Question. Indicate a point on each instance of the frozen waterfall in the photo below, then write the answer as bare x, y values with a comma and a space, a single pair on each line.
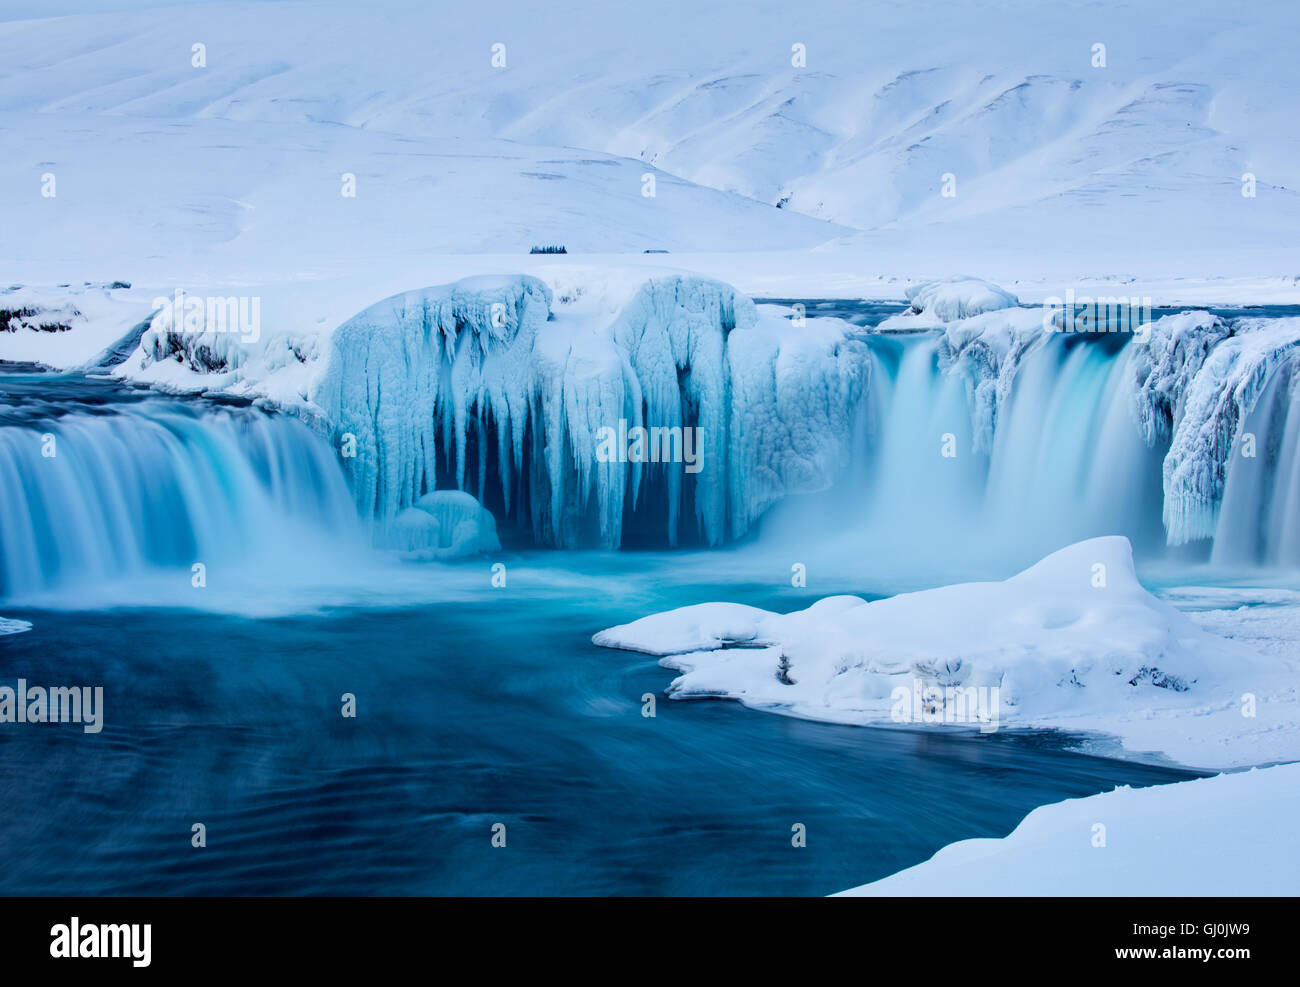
483, 386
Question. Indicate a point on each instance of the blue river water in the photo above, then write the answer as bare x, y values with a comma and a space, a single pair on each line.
468, 715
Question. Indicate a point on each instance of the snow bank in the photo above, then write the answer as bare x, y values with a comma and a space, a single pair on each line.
66, 326
1073, 642
276, 367
482, 384
958, 297
1229, 835
444, 525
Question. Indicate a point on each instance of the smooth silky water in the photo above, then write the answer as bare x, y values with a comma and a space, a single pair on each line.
475, 705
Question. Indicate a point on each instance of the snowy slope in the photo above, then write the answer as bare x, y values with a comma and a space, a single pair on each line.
193, 201
1049, 153
1229, 835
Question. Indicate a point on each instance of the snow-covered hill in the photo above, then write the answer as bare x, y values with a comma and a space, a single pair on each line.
1059, 165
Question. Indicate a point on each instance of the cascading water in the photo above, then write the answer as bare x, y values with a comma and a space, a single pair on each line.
1259, 518
960, 461
90, 494
1063, 462
948, 476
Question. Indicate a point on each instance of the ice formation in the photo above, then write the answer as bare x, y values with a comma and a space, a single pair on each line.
1222, 394
986, 351
958, 297
479, 386
1212, 396
443, 525
492, 386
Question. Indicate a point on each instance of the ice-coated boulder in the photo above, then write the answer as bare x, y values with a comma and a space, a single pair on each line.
958, 297
444, 525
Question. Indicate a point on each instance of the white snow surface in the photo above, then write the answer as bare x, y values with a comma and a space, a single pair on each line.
1052, 153
1062, 652
1229, 835
66, 326
958, 297
228, 178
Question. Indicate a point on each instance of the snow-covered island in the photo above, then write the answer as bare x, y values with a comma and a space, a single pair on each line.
1074, 643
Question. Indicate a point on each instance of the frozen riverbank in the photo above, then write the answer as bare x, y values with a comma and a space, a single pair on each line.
1230, 835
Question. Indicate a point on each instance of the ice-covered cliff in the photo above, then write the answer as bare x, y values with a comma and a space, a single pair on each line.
1223, 395
679, 409
1214, 398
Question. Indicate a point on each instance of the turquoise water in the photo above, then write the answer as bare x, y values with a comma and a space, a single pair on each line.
468, 715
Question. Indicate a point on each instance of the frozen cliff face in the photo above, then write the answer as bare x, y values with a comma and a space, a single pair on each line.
958, 298
1167, 356
1220, 393
987, 351
796, 393
678, 407
411, 378
1217, 398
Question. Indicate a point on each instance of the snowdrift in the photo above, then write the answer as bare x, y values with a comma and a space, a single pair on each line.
1074, 640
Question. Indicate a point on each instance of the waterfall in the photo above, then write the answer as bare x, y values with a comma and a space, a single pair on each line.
957, 459
945, 473
90, 495
1259, 518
